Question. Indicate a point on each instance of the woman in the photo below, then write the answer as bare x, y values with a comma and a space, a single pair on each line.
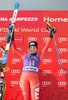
29, 81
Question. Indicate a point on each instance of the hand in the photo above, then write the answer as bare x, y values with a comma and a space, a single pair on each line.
52, 32
10, 27
9, 37
11, 30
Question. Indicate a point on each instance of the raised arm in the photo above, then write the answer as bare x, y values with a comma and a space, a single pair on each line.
44, 50
52, 33
13, 45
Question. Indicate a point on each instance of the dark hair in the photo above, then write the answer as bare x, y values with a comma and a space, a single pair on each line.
33, 43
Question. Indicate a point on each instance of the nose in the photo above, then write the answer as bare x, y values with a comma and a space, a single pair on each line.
32, 47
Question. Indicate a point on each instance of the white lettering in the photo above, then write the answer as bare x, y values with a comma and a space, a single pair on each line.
3, 19
3, 29
29, 30
29, 19
36, 93
49, 19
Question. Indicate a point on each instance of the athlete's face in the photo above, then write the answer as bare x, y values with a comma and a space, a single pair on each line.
32, 49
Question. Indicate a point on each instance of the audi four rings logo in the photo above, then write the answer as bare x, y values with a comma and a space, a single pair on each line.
61, 50
13, 83
15, 71
32, 39
45, 61
62, 72
2, 39
64, 60
15, 60
62, 83
46, 83
45, 39
44, 72
62, 39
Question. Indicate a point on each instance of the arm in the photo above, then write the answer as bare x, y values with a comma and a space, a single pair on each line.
19, 53
44, 50
13, 46
52, 33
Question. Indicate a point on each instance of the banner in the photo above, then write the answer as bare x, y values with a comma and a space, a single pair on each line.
31, 26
